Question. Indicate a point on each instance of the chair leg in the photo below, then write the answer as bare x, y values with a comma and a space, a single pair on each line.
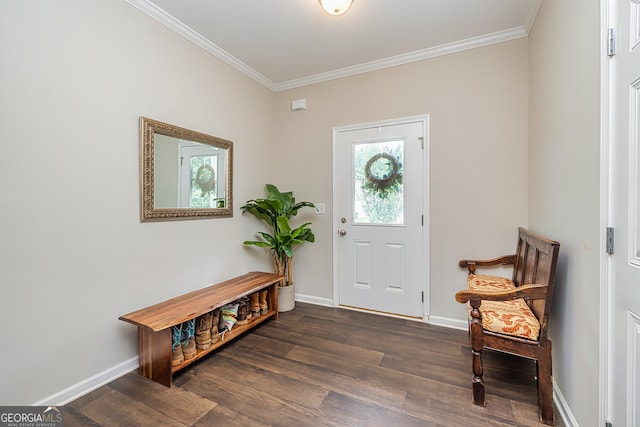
476, 350
545, 385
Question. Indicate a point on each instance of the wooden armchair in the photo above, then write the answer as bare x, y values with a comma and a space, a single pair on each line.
511, 315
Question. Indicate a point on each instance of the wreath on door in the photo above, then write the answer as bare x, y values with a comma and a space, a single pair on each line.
383, 175
205, 178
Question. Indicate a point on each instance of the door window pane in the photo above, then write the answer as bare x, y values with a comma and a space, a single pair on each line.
378, 188
203, 181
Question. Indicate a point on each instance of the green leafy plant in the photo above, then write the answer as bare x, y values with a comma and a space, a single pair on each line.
276, 210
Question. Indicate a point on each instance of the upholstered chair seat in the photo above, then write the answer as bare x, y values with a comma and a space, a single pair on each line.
513, 317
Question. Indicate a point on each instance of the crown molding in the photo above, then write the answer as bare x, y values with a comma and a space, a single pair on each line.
533, 14
169, 21
419, 55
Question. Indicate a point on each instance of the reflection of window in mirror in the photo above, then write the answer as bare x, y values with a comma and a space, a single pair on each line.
188, 174
201, 178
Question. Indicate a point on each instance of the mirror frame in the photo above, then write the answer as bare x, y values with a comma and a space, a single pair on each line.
148, 212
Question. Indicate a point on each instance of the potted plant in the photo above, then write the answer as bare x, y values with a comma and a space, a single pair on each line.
276, 210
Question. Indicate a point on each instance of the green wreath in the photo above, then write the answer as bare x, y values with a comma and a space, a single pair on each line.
205, 178
383, 174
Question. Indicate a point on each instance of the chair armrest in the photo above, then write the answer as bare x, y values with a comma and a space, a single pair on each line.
472, 264
535, 291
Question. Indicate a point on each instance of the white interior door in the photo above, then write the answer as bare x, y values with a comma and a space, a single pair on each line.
624, 309
379, 217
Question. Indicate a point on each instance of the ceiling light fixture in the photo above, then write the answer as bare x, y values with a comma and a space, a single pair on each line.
335, 7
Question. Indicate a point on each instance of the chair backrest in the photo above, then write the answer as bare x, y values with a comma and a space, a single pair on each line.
536, 261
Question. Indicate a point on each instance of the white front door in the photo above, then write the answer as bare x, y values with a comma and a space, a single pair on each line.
379, 216
624, 307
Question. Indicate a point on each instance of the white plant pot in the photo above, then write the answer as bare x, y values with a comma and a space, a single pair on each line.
286, 298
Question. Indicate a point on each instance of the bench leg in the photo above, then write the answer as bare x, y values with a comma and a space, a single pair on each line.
476, 350
545, 385
154, 354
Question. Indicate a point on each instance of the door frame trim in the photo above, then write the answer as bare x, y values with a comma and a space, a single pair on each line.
423, 119
606, 214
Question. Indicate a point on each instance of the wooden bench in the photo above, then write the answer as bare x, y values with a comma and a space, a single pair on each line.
154, 322
511, 315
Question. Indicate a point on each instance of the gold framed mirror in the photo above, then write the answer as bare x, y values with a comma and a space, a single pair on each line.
184, 174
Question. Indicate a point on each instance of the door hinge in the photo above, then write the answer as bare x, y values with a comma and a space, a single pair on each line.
611, 42
422, 296
422, 220
610, 241
421, 138
608, 424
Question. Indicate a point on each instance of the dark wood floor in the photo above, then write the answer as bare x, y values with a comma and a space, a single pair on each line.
320, 366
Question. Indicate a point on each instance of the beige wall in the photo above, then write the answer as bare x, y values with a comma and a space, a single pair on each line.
564, 197
477, 104
76, 76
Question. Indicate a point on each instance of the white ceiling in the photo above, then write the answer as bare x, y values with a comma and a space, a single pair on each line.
290, 43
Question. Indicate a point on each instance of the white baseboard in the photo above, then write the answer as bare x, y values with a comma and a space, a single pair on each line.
563, 408
83, 387
327, 302
447, 322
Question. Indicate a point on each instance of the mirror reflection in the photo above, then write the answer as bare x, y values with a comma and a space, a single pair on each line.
185, 174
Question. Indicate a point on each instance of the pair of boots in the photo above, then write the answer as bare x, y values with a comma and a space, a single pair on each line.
244, 309
183, 345
263, 306
254, 304
207, 327
258, 303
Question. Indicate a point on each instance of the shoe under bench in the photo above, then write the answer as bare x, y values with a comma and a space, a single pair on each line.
154, 322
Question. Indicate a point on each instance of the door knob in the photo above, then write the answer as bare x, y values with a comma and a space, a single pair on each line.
342, 232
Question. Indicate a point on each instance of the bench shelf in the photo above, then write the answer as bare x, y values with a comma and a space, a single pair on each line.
154, 322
